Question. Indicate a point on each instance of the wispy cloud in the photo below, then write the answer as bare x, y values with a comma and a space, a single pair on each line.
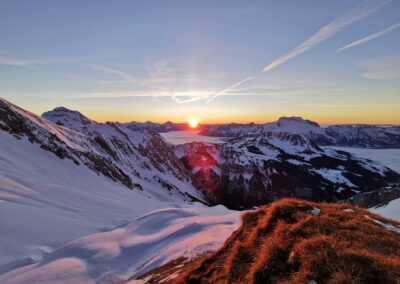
159, 72
355, 14
15, 62
180, 96
12, 61
123, 75
180, 101
382, 68
370, 37
155, 74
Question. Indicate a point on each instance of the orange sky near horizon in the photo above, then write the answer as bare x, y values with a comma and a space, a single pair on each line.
376, 117
377, 113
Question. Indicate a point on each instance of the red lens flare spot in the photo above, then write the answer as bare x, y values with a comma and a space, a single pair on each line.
203, 160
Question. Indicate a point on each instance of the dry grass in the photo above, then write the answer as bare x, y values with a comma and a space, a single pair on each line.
285, 243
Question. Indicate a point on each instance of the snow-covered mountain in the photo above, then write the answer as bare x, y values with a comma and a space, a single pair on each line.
359, 135
254, 169
74, 119
139, 160
281, 160
284, 124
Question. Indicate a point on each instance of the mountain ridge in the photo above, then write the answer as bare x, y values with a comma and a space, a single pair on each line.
282, 162
137, 159
351, 135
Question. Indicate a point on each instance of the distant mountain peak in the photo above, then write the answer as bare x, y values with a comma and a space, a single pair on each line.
285, 119
65, 117
64, 109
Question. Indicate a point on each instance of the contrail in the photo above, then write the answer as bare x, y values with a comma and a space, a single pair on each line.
370, 37
176, 98
355, 14
230, 88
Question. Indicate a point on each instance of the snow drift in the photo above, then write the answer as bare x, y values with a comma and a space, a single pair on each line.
133, 249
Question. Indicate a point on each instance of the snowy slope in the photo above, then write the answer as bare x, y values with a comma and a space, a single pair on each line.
390, 210
140, 160
389, 158
133, 249
46, 202
50, 195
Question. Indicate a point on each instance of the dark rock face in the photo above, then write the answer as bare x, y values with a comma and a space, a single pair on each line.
376, 198
364, 136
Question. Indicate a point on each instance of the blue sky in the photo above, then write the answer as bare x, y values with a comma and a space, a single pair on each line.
219, 61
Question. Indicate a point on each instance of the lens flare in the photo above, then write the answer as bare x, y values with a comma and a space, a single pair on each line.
203, 158
193, 122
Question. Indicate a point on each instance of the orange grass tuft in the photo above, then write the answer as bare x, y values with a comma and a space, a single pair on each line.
285, 243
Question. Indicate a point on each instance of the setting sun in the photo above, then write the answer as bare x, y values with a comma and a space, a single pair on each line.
193, 122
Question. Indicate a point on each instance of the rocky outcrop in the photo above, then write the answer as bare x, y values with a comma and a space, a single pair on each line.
376, 198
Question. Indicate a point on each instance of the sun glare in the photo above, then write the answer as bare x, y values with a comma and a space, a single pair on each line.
193, 122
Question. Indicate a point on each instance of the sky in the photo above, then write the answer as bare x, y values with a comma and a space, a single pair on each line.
333, 61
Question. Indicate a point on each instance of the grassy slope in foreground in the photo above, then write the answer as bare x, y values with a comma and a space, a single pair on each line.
292, 241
